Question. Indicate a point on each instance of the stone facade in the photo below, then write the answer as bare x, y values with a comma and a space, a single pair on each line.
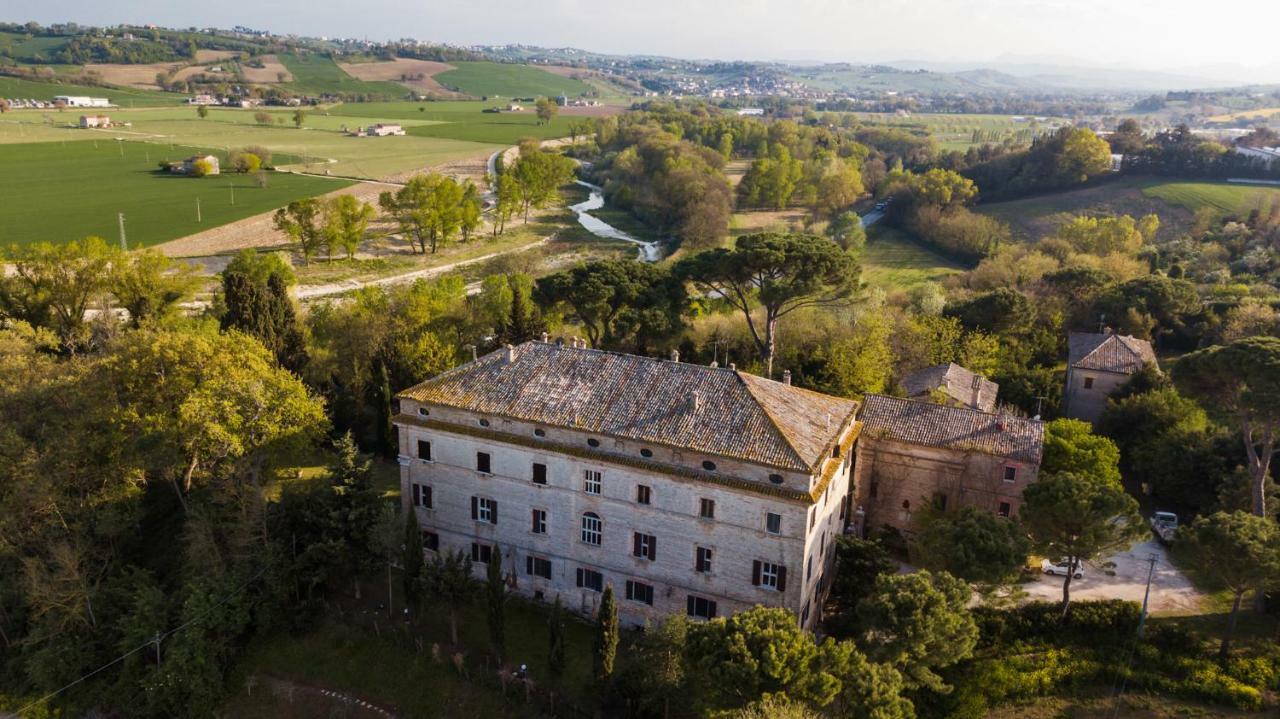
1097, 365
1087, 391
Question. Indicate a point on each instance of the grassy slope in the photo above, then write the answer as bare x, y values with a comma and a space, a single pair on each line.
892, 260
37, 49
508, 80
1174, 201
60, 192
459, 120
318, 75
124, 97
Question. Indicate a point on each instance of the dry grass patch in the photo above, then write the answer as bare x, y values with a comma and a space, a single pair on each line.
270, 72
214, 55
142, 77
404, 71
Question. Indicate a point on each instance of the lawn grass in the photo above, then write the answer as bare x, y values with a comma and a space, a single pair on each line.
893, 260
508, 80
36, 49
459, 120
1222, 197
13, 87
60, 192
320, 75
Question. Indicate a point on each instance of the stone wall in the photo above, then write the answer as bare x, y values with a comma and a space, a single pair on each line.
1088, 404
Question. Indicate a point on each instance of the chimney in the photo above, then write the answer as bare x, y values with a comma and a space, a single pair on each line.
786, 377
545, 336
733, 367
511, 354
675, 355
474, 355
977, 391
714, 364
695, 402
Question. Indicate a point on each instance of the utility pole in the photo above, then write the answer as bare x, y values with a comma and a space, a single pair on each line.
123, 244
1151, 568
233, 192
1039, 401
198, 210
157, 641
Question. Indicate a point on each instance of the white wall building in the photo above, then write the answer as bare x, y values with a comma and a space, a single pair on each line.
81, 101
689, 489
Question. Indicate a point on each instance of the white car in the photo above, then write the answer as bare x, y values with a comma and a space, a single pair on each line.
1061, 568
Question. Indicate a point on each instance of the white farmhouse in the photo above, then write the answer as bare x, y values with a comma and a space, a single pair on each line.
689, 489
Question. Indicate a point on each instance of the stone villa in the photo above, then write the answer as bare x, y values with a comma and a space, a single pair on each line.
689, 489
1097, 365
692, 489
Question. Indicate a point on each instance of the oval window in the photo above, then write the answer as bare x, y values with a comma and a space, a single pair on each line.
709, 465
593, 442
539, 433
424, 411
646, 452
775, 478
484, 423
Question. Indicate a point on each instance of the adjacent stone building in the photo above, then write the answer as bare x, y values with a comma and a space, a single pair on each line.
912, 454
954, 384
691, 489
1097, 365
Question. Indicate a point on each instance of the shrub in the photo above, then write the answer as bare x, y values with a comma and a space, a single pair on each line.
1088, 623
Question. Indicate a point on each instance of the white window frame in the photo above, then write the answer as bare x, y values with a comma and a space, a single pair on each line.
541, 527
767, 517
591, 481
592, 528
484, 509
769, 573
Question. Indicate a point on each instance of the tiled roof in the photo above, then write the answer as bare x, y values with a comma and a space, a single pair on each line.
956, 382
959, 428
1108, 352
705, 409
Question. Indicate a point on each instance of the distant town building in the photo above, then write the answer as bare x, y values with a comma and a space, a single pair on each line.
751, 112
690, 489
94, 121
202, 100
953, 383
1267, 156
913, 455
81, 101
1097, 365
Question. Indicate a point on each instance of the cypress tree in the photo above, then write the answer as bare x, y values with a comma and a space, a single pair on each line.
605, 646
496, 589
555, 639
414, 561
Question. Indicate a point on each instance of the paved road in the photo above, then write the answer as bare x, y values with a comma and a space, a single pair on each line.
1171, 591
872, 217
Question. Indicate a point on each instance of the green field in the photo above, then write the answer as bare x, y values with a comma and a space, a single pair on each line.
1223, 198
63, 191
322, 144
508, 80
320, 75
892, 260
13, 87
459, 120
36, 49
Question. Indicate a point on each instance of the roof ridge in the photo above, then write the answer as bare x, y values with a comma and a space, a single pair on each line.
773, 421
956, 408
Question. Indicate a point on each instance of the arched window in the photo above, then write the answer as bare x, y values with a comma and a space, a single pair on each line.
591, 528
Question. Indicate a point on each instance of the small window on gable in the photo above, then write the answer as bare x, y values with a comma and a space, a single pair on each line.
775, 478
424, 411
709, 465
646, 452
539, 433
593, 442
484, 423
1088, 383
1010, 474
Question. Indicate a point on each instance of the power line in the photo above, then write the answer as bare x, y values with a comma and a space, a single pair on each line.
155, 640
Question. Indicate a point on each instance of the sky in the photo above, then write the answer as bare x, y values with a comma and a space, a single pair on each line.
1169, 35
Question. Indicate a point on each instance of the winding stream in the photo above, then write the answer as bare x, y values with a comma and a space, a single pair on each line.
649, 251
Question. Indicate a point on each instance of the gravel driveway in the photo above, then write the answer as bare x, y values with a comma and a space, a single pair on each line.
1171, 591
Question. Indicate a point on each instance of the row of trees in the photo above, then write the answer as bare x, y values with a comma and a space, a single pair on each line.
315, 224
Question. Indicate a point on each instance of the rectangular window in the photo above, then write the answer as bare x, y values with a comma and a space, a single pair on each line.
1004, 509
1010, 474
539, 525
590, 579
940, 501
482, 462
773, 523
644, 495
537, 567
707, 508
808, 570
640, 592
539, 473
591, 528
813, 516
1088, 383
701, 607
424, 450
768, 574
430, 540
644, 546
481, 553
703, 561
872, 489
484, 509
422, 496
591, 481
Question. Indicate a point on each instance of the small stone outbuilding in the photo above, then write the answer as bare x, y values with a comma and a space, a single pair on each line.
1097, 365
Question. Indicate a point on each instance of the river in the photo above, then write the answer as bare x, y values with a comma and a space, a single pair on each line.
649, 251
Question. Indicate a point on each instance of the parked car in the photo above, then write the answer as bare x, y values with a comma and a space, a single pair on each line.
1060, 568
1165, 525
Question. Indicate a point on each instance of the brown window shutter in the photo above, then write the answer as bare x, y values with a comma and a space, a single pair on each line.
690, 605
417, 496
528, 564
475, 508
653, 548
711, 609
635, 544
782, 579
755, 573
579, 576
493, 512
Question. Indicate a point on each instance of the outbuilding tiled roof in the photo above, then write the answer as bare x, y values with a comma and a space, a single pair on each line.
957, 382
712, 410
1108, 352
959, 428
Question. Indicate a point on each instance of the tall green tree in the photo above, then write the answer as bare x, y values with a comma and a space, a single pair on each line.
496, 594
1241, 383
356, 509
974, 545
546, 110
918, 623
778, 273
150, 286
449, 582
265, 311
555, 640
1078, 518
604, 647
1071, 446
301, 221
51, 286
346, 220
1236, 551
622, 304
413, 559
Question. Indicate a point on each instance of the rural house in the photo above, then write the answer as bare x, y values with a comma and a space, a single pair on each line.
952, 384
94, 121
1097, 364
185, 167
689, 489
914, 454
